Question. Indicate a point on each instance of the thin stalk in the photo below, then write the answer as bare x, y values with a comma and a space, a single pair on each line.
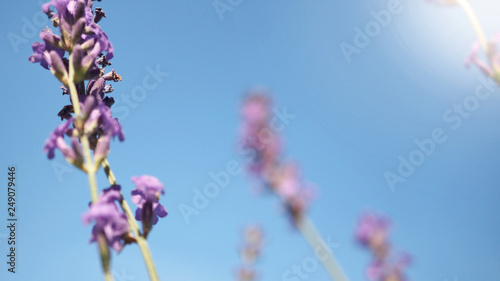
314, 239
141, 241
475, 24
88, 162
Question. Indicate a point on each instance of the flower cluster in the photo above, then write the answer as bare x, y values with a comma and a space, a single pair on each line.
281, 177
372, 233
77, 56
250, 252
109, 221
84, 41
146, 196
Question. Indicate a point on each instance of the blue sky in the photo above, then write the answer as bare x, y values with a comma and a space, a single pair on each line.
352, 122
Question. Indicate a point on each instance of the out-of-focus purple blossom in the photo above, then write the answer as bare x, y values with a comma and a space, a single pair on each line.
266, 164
372, 227
257, 135
108, 218
372, 233
492, 66
146, 196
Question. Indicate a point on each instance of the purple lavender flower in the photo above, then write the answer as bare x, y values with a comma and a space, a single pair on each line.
72, 154
108, 218
146, 196
42, 52
79, 33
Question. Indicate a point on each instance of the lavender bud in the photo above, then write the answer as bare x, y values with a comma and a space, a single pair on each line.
99, 14
88, 44
57, 67
51, 38
96, 88
108, 101
65, 33
80, 10
77, 57
77, 31
65, 112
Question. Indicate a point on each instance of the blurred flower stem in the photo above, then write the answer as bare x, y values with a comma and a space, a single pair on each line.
475, 24
315, 240
141, 241
89, 165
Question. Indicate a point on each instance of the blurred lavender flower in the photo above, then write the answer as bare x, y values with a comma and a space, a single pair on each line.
492, 65
108, 218
146, 196
372, 233
250, 252
266, 165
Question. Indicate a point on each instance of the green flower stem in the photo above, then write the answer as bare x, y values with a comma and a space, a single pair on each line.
314, 239
89, 165
141, 241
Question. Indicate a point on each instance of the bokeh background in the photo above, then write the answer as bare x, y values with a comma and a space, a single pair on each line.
352, 121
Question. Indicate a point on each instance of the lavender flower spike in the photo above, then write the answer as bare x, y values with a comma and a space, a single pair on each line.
146, 197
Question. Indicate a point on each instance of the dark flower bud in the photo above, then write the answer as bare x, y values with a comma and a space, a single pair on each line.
99, 14
108, 101
102, 61
65, 112
55, 22
93, 72
65, 90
